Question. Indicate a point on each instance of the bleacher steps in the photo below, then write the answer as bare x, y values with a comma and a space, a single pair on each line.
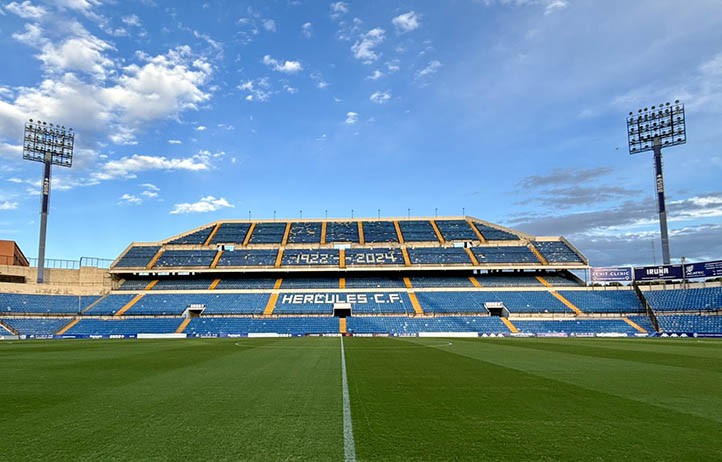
286, 233
398, 233
323, 233
214, 284
544, 282
129, 305
566, 302
278, 283
87, 308
510, 325
342, 258
538, 254
155, 258
68, 326
439, 236
212, 235
405, 253
341, 325
248, 236
271, 304
477, 232
361, 238
341, 283
216, 259
8, 328
475, 282
407, 283
183, 326
151, 284
279, 258
415, 303
634, 324
472, 257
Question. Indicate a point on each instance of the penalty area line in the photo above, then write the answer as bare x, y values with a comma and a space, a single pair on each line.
349, 446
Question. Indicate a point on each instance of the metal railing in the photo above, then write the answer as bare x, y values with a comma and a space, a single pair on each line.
92, 262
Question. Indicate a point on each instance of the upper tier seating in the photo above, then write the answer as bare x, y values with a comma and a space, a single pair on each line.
246, 283
44, 304
134, 284
342, 231
456, 230
268, 233
505, 254
418, 231
690, 323
288, 325
439, 256
401, 325
319, 282
372, 282
494, 234
575, 326
440, 281
322, 303
37, 326
605, 301
310, 257
557, 252
508, 280
374, 257
181, 258
128, 326
252, 257
305, 233
110, 304
704, 299
199, 283
138, 257
379, 231
231, 233
197, 237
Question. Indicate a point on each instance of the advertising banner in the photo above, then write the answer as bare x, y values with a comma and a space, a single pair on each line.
707, 269
612, 274
655, 273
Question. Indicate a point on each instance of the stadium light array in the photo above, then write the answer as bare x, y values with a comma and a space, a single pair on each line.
51, 145
651, 129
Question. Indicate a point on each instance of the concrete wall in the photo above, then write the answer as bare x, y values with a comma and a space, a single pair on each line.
85, 281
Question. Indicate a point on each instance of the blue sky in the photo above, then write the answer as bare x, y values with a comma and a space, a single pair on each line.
511, 110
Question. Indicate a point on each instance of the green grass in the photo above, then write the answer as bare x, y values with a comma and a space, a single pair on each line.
411, 399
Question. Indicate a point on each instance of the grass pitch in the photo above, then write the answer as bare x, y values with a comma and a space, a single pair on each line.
411, 399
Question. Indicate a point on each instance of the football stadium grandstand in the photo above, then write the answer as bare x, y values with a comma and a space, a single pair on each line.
455, 276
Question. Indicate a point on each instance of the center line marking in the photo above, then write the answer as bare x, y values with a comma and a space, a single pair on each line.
349, 446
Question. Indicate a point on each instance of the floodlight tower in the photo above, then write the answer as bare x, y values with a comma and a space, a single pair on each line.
650, 129
51, 145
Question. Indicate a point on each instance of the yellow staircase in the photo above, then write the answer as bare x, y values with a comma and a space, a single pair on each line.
183, 326
341, 325
512, 328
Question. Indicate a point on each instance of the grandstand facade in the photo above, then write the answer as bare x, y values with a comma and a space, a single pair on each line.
452, 276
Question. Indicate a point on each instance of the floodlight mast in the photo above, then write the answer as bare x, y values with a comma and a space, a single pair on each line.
649, 130
49, 144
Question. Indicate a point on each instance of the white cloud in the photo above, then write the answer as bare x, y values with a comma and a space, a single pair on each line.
375, 75
287, 67
129, 167
430, 69
307, 30
269, 25
257, 90
131, 20
175, 142
130, 199
201, 128
338, 9
26, 10
150, 187
380, 97
555, 5
406, 22
7, 205
364, 49
351, 118
149, 194
205, 204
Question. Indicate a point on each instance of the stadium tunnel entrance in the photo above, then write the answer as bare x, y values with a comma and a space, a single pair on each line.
342, 310
497, 309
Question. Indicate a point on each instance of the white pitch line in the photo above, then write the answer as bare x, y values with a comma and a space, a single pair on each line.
349, 446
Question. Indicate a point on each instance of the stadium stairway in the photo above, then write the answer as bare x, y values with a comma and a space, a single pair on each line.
510, 325
130, 304
635, 325
183, 326
560, 297
342, 325
68, 326
268, 311
8, 328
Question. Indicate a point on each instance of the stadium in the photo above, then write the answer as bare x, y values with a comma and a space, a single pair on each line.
188, 308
